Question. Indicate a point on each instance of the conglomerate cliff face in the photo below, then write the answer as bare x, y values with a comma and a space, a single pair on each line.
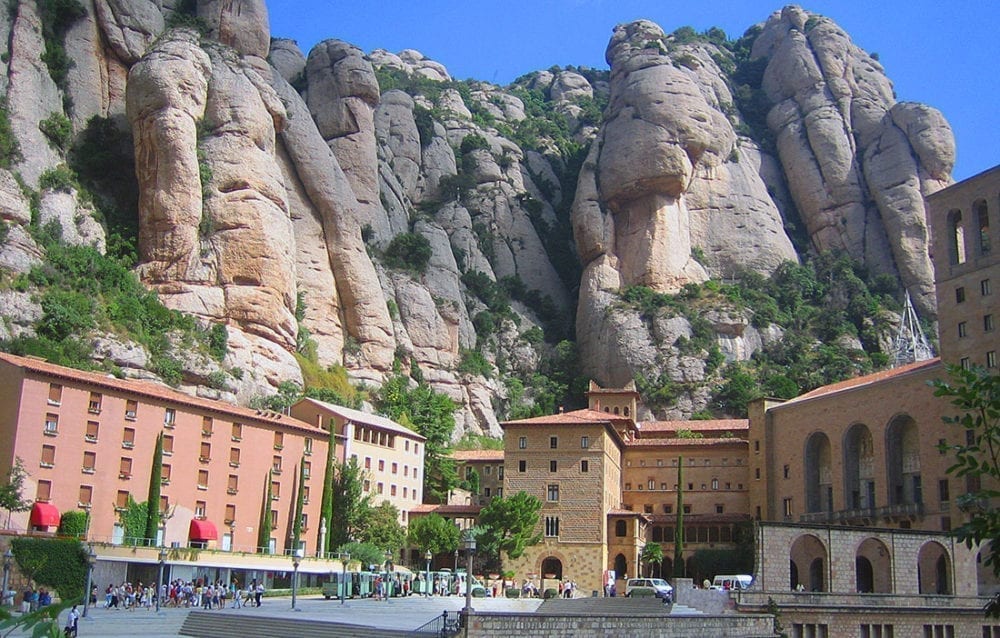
368, 211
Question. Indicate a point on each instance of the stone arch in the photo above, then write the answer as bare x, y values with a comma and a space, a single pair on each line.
934, 569
552, 565
873, 567
621, 566
667, 567
902, 451
859, 467
818, 473
809, 555
956, 237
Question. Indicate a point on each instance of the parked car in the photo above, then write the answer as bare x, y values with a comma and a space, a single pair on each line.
731, 582
649, 587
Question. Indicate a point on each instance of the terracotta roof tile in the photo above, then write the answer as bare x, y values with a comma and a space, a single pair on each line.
364, 418
676, 442
733, 425
576, 417
868, 379
477, 455
153, 390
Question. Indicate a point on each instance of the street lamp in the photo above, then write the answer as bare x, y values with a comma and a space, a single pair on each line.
296, 559
8, 560
159, 583
345, 557
91, 559
427, 585
470, 549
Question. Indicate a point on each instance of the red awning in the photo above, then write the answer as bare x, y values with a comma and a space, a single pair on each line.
202, 530
44, 515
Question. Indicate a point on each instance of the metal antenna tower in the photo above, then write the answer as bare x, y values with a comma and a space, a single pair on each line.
910, 344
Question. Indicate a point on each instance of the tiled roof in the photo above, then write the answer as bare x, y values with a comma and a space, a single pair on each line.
867, 380
477, 455
731, 425
576, 417
685, 442
364, 418
628, 513
152, 390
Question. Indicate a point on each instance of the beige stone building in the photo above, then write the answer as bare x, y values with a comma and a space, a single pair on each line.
488, 467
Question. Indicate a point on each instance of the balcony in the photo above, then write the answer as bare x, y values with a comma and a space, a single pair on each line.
867, 515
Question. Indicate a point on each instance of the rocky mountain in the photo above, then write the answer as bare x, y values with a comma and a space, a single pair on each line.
368, 215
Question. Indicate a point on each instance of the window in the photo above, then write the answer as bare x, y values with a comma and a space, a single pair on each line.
719, 507
987, 323
406, 445
165, 474
786, 505
552, 526
621, 528
584, 466
202, 479
128, 438
131, 409
965, 363
279, 440
500, 472
230, 517
416, 448
237, 432
307, 446
380, 487
205, 452
584, 442
121, 499
984, 287
367, 486
487, 469
785, 471
276, 464
381, 465
168, 444
48, 456
553, 442
169, 417
199, 509
55, 394
304, 523
94, 405
307, 469
715, 484
234, 484
943, 492
553, 466
756, 446
392, 490
305, 494
756, 473
125, 468
628, 487
963, 329
687, 509
207, 425
991, 359
275, 490
52, 423
86, 495
522, 466
234, 457
93, 427
652, 484
274, 519
89, 462
552, 494
960, 294
668, 509
522, 442
956, 237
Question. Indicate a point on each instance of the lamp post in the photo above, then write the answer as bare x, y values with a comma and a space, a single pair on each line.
91, 559
345, 557
296, 559
8, 560
456, 561
427, 585
470, 549
159, 583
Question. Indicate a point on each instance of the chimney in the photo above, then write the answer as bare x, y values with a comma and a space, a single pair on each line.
560, 409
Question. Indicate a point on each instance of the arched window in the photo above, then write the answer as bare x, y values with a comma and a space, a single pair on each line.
621, 566
625, 411
616, 409
808, 556
873, 567
819, 477
934, 569
982, 213
621, 528
902, 444
553, 566
956, 237
859, 468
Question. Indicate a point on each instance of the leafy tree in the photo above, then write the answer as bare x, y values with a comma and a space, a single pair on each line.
349, 503
651, 553
508, 525
60, 563
153, 500
433, 532
365, 553
10, 491
432, 414
381, 527
264, 526
976, 394
408, 251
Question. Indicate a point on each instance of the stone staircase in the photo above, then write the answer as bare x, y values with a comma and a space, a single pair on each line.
212, 624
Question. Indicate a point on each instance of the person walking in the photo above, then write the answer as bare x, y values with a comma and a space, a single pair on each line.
72, 623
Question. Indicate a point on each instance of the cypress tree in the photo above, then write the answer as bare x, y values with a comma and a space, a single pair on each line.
326, 505
679, 533
153, 496
264, 528
300, 497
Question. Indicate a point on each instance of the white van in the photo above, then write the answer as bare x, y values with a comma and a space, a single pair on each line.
730, 582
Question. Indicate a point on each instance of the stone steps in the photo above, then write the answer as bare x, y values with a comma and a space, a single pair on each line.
646, 606
207, 624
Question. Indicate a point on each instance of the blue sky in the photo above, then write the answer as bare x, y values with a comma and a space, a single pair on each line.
943, 54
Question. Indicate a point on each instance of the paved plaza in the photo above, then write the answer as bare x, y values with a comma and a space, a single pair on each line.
398, 613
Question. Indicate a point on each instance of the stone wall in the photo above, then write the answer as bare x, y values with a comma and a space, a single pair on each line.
584, 626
